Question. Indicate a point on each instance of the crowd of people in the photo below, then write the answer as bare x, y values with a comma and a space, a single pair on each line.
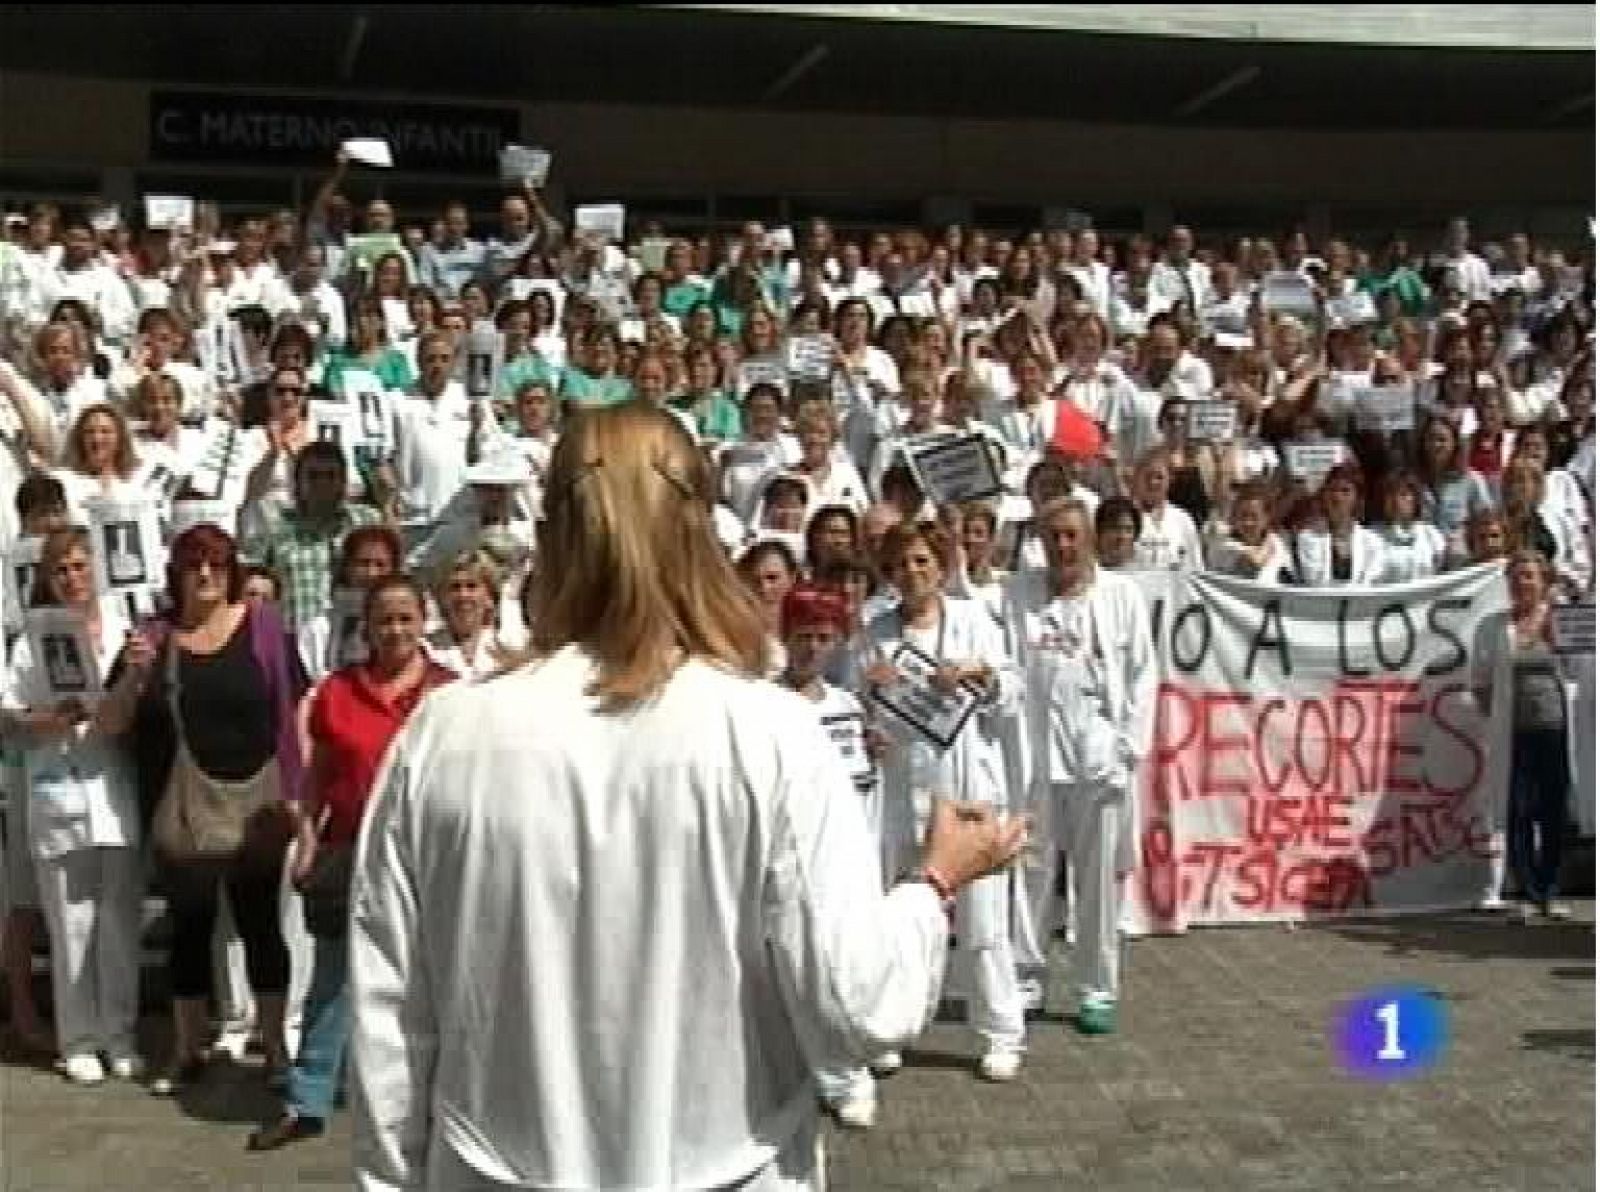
276, 481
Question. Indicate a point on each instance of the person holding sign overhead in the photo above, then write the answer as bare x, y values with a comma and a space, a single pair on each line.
938, 677
1081, 637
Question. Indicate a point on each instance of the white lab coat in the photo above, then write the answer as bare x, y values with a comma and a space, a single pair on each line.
1092, 815
1313, 559
620, 976
1414, 552
1168, 540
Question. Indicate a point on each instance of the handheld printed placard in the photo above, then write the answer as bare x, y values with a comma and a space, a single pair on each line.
369, 151
762, 370
519, 163
220, 474
163, 484
188, 514
953, 469
848, 732
1352, 310
22, 574
781, 239
1288, 292
483, 351
1310, 462
1572, 629
362, 252
59, 640
168, 213
914, 699
1385, 409
522, 288
606, 220
918, 306
106, 219
811, 357
397, 319
1212, 421
653, 253
346, 643
125, 540
337, 422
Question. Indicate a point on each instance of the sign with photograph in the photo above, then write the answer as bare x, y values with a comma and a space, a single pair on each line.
1572, 629
954, 468
59, 640
912, 697
125, 540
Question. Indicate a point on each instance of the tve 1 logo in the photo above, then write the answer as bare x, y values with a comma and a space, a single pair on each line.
1388, 1034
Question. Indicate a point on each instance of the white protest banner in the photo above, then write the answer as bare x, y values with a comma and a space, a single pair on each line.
125, 541
520, 164
369, 151
811, 357
606, 220
168, 213
1212, 421
953, 469
1310, 462
1315, 754
1572, 628
59, 641
1288, 292
1385, 409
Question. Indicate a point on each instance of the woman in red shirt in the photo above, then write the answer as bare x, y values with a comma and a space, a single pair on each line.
355, 713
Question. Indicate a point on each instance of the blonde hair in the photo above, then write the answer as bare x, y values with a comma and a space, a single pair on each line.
127, 459
643, 578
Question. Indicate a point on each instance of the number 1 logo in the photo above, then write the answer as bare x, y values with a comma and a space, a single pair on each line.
1390, 1034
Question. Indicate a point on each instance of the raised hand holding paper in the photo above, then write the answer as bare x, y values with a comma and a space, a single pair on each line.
166, 213
518, 163
369, 151
603, 219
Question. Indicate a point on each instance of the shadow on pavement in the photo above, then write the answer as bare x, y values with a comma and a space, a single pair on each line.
1471, 936
1578, 1045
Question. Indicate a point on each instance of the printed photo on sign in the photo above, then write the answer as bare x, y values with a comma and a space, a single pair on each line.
914, 699
347, 645
1572, 628
59, 639
22, 573
954, 469
125, 537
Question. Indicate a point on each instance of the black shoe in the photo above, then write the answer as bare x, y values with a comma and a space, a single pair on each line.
282, 1132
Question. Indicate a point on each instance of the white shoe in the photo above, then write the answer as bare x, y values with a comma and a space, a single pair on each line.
857, 1112
1000, 1067
84, 1069
127, 1067
233, 1040
886, 1064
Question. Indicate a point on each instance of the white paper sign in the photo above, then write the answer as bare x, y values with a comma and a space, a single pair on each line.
369, 151
1212, 421
337, 422
760, 370
1572, 628
914, 699
603, 219
125, 540
953, 469
22, 573
106, 219
1312, 461
220, 474
653, 253
848, 732
59, 640
918, 306
1288, 292
519, 163
1385, 409
1352, 310
811, 357
781, 239
188, 514
165, 213
347, 645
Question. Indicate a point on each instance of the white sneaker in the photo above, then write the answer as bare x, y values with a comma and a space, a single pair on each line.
233, 1040
84, 1069
1000, 1067
857, 1112
127, 1067
886, 1064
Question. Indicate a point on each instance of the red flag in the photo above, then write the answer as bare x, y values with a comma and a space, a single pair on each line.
1075, 435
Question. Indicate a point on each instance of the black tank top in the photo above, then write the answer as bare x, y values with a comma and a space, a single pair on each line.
228, 715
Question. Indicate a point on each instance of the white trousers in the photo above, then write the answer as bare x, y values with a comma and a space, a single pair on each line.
91, 898
1088, 820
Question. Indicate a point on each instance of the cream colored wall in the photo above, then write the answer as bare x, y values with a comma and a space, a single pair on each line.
74, 121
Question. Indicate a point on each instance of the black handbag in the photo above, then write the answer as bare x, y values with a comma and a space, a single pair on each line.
325, 891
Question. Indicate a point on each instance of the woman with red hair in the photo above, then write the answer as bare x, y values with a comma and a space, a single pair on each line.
218, 726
